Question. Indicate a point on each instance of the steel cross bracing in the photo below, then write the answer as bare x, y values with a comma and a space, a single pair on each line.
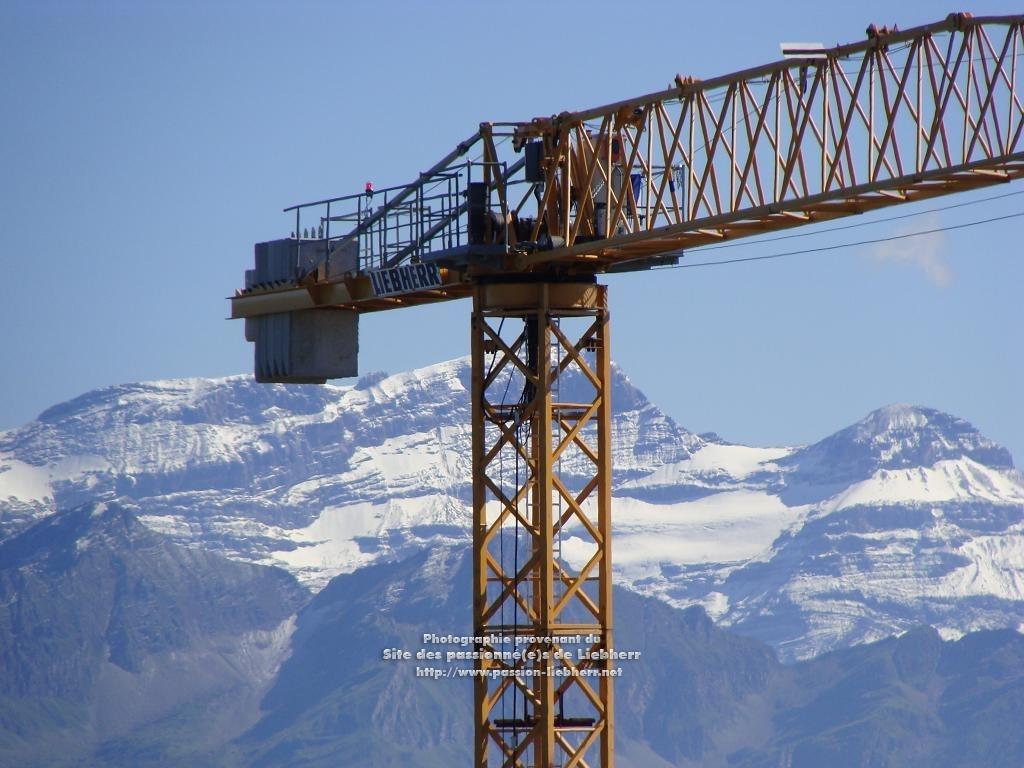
553, 705
898, 117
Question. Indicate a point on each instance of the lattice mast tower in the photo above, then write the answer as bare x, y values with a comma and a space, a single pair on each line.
523, 217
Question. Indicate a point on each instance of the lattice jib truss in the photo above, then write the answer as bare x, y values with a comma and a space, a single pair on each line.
518, 211
900, 116
541, 525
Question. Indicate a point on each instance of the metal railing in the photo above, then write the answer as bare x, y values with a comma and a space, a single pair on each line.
389, 231
383, 229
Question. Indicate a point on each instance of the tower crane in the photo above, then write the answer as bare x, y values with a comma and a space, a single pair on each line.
522, 218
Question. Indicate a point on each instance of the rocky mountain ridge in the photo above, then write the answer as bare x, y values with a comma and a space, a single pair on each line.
908, 517
108, 629
123, 648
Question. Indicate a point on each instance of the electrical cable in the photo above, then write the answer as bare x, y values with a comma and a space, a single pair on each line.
515, 576
501, 485
872, 222
501, 536
840, 246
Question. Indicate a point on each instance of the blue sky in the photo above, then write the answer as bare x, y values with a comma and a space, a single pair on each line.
146, 146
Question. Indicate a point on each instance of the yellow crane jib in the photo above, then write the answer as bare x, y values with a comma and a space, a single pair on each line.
522, 216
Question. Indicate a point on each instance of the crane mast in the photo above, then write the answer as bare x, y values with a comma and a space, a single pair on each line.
521, 217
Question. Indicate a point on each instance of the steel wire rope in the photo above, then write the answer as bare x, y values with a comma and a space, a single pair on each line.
840, 246
858, 224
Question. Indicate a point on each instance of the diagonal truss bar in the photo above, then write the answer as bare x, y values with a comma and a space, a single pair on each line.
900, 107
901, 116
541, 471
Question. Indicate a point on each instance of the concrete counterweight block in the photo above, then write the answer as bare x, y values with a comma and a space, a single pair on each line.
307, 346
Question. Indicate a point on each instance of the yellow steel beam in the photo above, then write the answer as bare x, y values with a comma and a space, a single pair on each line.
540, 594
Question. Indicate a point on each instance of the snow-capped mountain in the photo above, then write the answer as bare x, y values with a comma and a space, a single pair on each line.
908, 516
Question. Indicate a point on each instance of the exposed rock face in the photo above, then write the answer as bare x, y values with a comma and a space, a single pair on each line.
121, 648
107, 627
698, 695
909, 516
